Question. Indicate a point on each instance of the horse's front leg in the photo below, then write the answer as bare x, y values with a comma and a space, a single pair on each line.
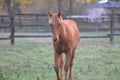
61, 67
57, 57
71, 64
67, 64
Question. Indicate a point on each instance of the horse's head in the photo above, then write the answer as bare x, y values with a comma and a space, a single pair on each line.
55, 23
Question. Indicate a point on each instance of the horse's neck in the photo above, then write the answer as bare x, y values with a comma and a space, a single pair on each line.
63, 30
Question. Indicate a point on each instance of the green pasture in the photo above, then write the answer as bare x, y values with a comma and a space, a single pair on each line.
33, 59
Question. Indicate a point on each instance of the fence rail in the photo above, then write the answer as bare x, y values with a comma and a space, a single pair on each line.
26, 20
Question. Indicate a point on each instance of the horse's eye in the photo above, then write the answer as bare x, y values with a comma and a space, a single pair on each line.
51, 24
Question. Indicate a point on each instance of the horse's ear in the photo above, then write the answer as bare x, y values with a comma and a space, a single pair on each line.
59, 14
49, 14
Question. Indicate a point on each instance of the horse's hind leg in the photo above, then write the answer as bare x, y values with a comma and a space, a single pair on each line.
57, 64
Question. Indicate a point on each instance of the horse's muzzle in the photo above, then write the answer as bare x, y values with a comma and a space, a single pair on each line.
55, 39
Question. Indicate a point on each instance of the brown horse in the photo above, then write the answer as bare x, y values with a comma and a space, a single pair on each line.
66, 37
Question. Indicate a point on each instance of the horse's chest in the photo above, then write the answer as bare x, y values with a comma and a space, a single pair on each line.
61, 47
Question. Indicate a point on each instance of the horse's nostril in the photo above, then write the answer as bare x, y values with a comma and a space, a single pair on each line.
55, 39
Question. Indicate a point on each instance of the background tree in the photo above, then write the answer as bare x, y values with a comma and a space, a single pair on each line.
15, 5
91, 1
115, 0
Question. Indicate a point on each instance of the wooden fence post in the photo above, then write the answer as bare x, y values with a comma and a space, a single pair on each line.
20, 20
37, 19
112, 26
59, 5
12, 37
70, 7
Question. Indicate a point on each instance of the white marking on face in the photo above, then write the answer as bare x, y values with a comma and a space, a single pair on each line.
50, 20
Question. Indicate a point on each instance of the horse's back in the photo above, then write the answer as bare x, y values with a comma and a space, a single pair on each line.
72, 30
72, 25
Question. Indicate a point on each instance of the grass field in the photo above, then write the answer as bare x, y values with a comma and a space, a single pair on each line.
32, 59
